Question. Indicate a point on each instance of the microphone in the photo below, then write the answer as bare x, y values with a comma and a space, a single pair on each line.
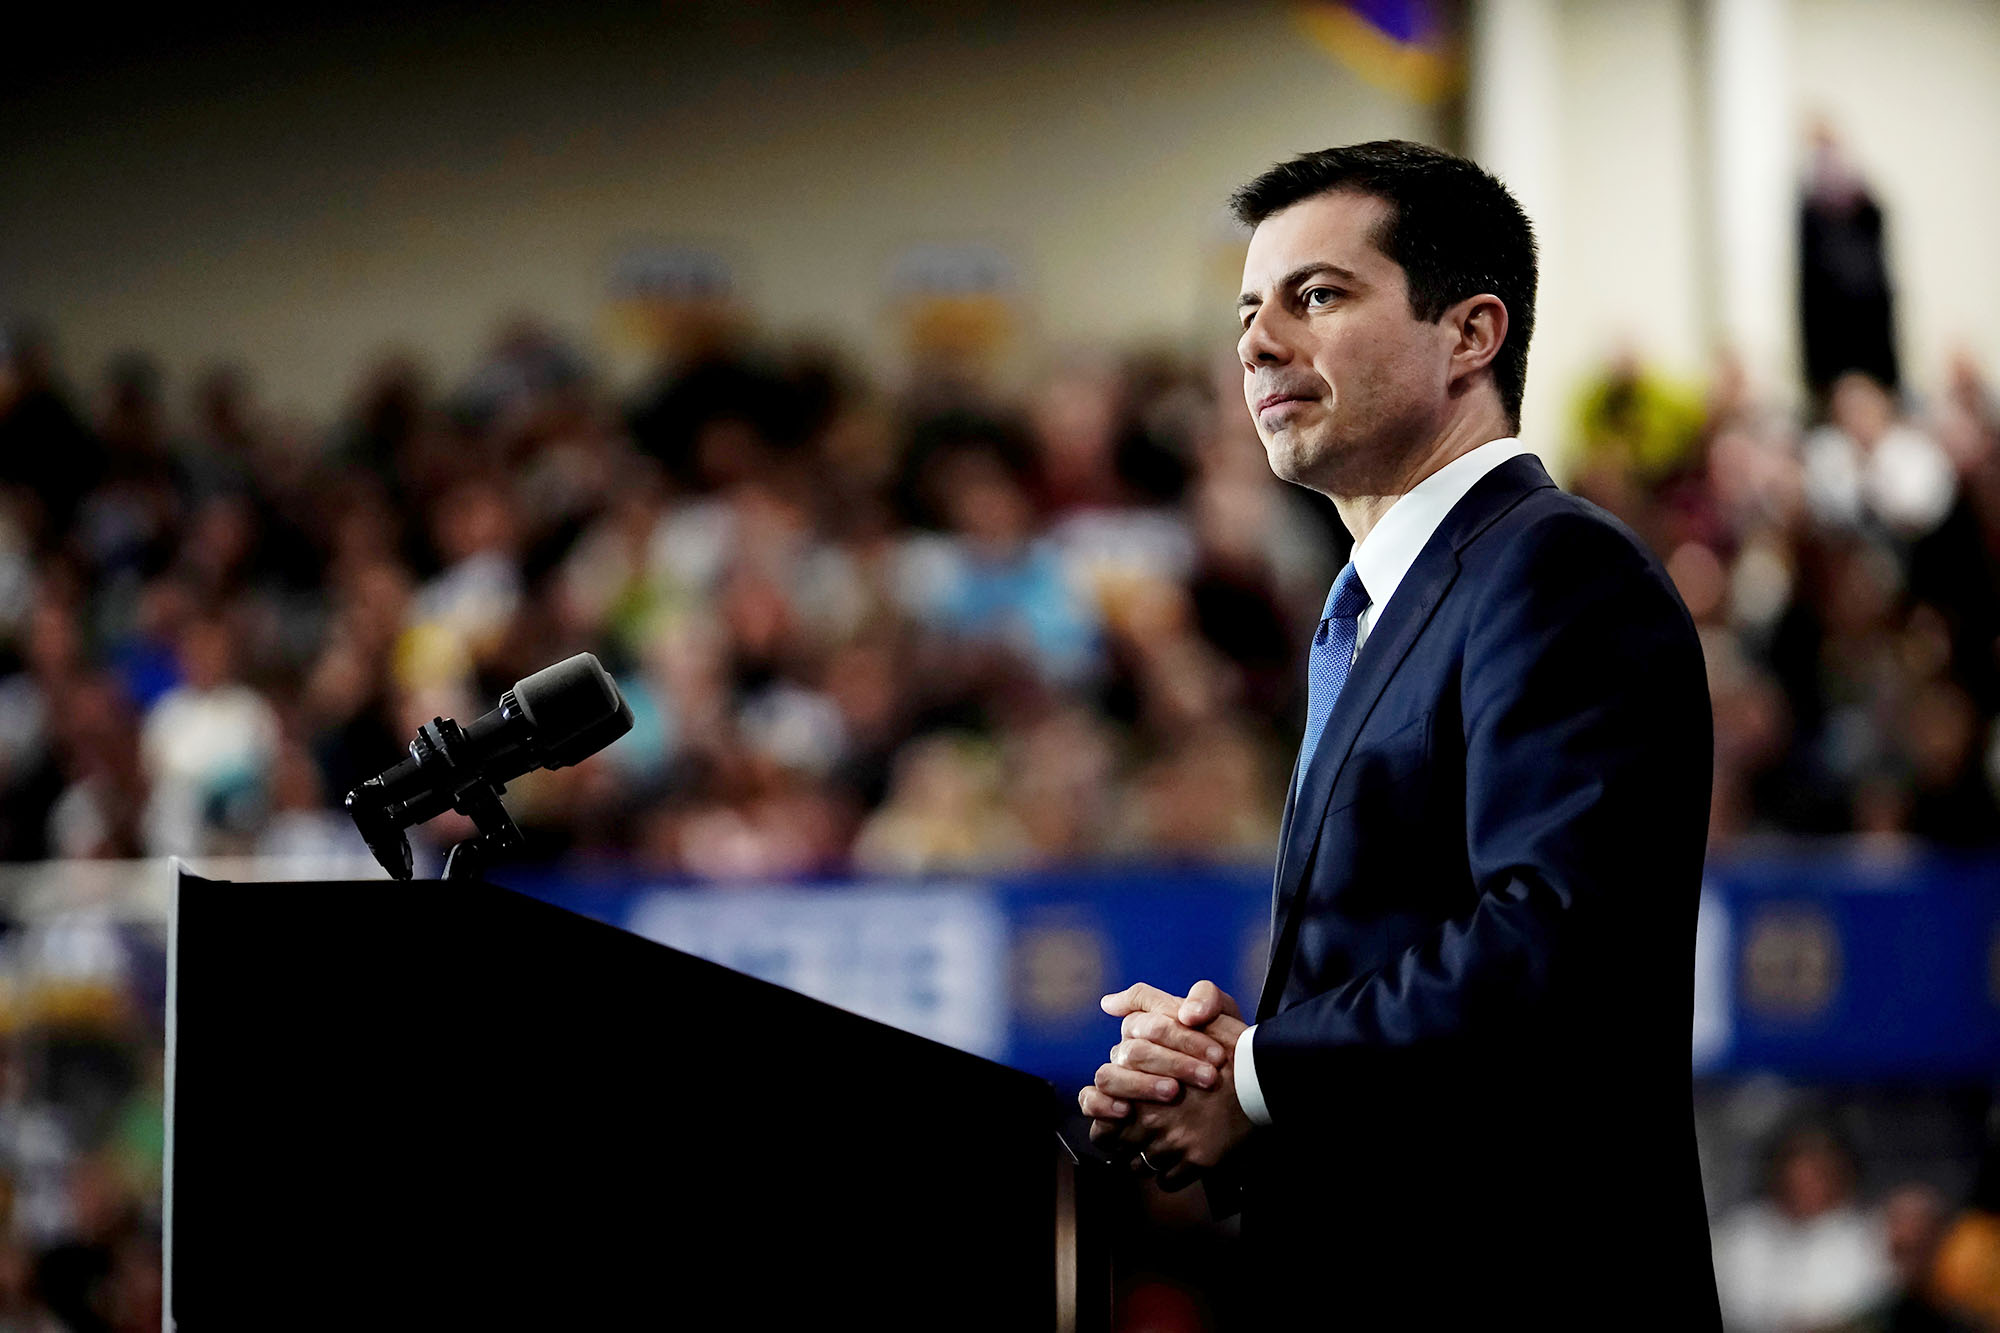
552, 719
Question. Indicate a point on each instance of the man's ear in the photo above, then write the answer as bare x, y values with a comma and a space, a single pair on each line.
1480, 323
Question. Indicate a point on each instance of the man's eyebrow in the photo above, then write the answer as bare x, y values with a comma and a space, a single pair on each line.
1297, 276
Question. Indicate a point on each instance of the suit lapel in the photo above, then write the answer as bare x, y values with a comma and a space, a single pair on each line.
1389, 643
1284, 843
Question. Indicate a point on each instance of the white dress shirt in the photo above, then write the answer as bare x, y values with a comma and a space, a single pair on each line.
1380, 560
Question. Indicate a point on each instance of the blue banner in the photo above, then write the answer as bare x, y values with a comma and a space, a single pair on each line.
1837, 966
1818, 965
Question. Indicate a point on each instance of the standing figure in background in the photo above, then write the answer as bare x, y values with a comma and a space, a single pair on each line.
1847, 313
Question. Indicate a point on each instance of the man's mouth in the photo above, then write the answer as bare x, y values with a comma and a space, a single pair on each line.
1271, 400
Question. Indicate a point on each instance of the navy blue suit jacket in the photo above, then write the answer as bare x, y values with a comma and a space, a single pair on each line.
1474, 1035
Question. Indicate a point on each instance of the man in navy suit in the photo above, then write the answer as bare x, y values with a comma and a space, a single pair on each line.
1464, 1099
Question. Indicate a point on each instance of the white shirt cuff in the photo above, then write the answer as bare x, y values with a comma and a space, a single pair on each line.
1248, 1095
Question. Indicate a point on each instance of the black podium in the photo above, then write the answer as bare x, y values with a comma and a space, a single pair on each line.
446, 1105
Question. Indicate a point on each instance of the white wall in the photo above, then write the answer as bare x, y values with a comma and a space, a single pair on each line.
1751, 140
300, 212
1630, 274
1587, 110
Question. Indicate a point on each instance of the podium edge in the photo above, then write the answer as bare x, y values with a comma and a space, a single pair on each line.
178, 869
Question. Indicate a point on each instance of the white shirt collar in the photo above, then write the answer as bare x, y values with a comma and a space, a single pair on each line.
1385, 555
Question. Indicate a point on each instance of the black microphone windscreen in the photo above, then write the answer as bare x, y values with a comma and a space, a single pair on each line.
574, 696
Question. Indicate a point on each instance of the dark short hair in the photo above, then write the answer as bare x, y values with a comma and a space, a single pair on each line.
1453, 229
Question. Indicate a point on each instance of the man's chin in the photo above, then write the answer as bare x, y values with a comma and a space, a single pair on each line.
1288, 456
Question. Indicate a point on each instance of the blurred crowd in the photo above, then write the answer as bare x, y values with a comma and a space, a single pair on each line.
855, 630
893, 632
1845, 574
1841, 1232
867, 631
82, 1136
1813, 1254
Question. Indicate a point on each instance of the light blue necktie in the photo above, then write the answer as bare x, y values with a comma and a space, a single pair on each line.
1331, 657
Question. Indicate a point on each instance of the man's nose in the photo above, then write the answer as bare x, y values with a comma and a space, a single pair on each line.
1259, 346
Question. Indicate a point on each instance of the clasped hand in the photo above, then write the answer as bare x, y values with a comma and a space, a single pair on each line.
1169, 1089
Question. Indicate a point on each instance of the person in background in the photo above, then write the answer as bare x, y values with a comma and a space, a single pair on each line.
1847, 304
1804, 1258
1913, 1223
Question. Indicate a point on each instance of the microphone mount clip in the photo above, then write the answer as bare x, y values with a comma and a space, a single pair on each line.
472, 793
477, 798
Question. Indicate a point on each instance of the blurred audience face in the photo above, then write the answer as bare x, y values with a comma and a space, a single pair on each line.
1814, 1176
375, 604
1076, 421
1340, 376
1864, 588
861, 680
1701, 580
758, 615
1941, 732
207, 654
942, 776
97, 1197
222, 408
1061, 784
474, 519
222, 539
54, 648
1861, 408
1913, 1219
984, 501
